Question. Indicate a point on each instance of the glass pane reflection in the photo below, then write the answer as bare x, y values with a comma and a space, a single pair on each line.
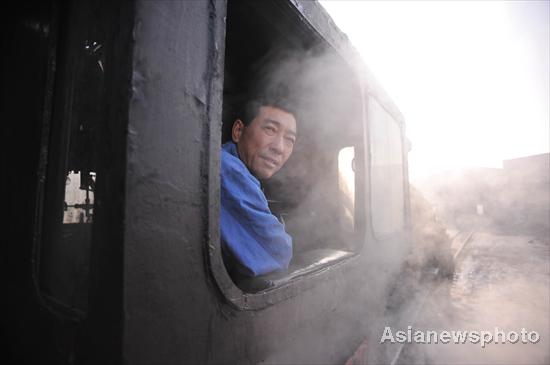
346, 186
79, 197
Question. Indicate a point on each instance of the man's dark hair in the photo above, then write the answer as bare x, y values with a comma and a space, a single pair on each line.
252, 107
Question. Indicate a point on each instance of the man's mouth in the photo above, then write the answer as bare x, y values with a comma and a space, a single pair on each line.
271, 162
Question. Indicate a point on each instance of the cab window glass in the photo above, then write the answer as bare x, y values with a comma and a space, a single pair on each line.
387, 186
75, 161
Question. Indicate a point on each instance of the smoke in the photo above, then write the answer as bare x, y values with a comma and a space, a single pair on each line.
313, 188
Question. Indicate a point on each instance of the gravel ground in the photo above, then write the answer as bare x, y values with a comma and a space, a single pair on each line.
501, 283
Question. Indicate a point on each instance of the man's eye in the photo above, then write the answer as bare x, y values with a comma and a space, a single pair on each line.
269, 129
290, 140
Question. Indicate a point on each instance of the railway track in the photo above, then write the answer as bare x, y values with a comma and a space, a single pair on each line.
459, 241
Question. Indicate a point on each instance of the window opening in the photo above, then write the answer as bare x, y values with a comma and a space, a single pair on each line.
316, 193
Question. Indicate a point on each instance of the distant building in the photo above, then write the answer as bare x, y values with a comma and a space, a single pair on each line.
526, 200
511, 200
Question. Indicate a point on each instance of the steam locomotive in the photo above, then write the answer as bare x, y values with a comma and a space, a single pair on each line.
115, 113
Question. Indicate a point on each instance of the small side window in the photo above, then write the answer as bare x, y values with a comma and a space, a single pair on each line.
79, 197
346, 187
387, 185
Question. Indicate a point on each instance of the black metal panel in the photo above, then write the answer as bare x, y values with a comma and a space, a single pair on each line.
28, 44
43, 41
166, 298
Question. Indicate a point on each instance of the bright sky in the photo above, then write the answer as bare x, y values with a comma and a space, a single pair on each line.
471, 77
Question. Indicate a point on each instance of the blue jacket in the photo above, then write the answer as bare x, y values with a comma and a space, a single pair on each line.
249, 231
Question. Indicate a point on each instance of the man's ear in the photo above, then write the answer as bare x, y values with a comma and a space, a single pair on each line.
237, 130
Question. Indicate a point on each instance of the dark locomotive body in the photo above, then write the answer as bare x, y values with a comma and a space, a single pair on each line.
123, 103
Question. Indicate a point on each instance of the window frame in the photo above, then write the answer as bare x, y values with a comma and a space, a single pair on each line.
292, 284
296, 285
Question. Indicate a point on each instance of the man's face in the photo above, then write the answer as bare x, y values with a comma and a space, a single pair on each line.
267, 142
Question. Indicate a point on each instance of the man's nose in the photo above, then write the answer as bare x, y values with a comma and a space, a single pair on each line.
278, 145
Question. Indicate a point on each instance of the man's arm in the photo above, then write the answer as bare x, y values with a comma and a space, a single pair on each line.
250, 232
